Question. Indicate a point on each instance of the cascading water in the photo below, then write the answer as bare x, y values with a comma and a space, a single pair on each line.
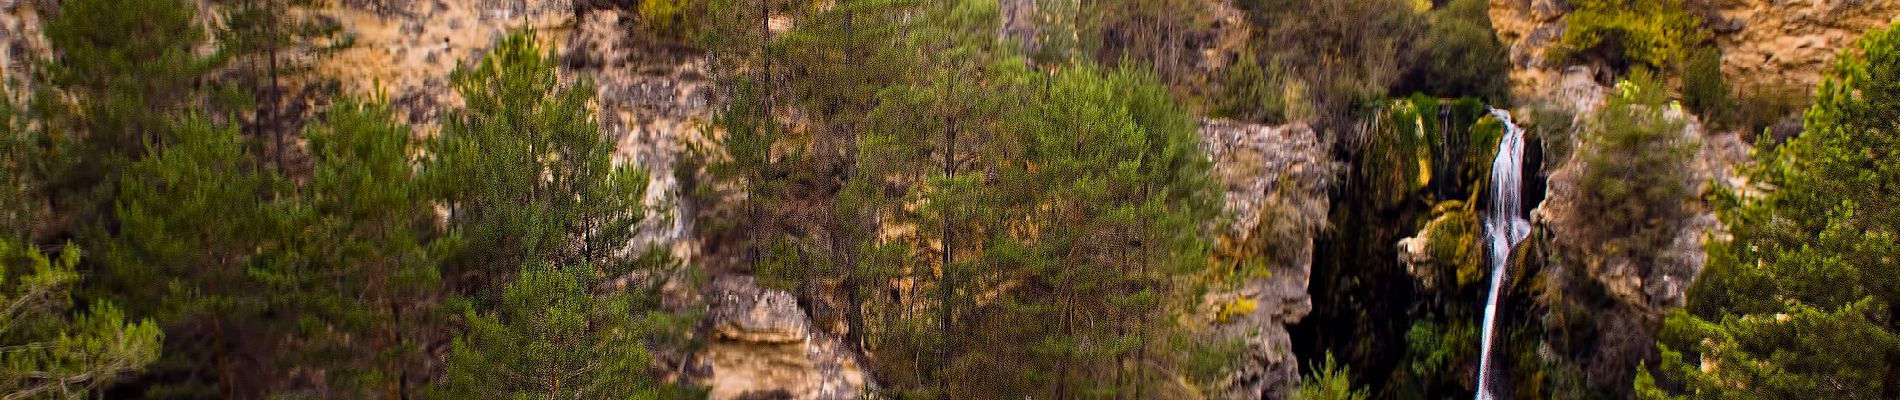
1503, 229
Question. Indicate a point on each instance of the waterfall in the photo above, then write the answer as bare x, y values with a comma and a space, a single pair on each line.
1503, 229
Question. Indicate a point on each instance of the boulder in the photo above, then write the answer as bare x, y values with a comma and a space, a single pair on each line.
762, 346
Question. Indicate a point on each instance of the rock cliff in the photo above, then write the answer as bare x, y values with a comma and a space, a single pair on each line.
1765, 43
1277, 176
653, 97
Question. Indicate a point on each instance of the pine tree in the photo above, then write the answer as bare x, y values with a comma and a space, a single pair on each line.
527, 175
44, 353
932, 136
1329, 381
1122, 197
364, 279
271, 43
20, 210
124, 69
1800, 302
552, 337
192, 229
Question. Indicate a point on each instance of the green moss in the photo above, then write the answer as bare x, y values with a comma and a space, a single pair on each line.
1454, 241
1483, 140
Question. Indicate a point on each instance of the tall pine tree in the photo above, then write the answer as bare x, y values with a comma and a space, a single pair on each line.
552, 337
123, 70
364, 275
527, 175
192, 231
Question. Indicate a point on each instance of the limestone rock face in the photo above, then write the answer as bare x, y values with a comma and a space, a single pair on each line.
763, 346
1261, 164
1782, 43
1772, 44
20, 40
1638, 292
1648, 288
1529, 28
651, 96
1281, 172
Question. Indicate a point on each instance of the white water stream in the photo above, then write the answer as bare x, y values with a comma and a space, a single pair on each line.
1503, 229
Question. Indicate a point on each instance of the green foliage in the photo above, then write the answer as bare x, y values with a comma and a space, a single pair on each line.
44, 353
1799, 302
1399, 157
1454, 234
551, 337
1635, 178
1779, 107
1340, 55
525, 171
1555, 131
189, 226
1703, 88
20, 210
1156, 35
1115, 158
124, 70
1630, 33
1423, 142
1459, 55
191, 232
365, 260
1253, 92
671, 17
1082, 194
1480, 150
1329, 382
1437, 351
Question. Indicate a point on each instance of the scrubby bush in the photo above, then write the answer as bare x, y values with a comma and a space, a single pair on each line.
1329, 381
1765, 106
668, 16
1347, 54
1555, 130
1635, 174
1253, 92
1459, 55
1162, 35
1629, 33
1704, 90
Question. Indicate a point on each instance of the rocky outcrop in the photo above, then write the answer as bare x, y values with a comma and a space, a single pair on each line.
1789, 43
1660, 285
20, 41
1530, 28
1271, 175
762, 345
1771, 44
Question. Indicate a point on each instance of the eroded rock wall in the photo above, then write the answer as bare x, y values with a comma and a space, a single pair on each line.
762, 345
1273, 175
1777, 44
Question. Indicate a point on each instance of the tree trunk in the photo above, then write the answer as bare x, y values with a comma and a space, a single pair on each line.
947, 281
